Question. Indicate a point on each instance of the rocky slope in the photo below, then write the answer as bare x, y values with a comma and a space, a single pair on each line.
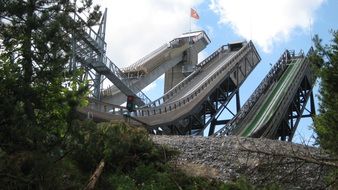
261, 161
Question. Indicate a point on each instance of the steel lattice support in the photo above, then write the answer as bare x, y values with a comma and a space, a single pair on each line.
296, 110
88, 49
98, 81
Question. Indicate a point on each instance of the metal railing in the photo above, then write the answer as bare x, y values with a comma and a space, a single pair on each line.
106, 61
140, 62
106, 107
273, 74
122, 77
90, 32
173, 43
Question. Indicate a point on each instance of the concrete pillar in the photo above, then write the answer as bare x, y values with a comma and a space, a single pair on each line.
177, 73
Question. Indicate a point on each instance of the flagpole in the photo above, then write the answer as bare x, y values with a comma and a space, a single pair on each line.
189, 51
190, 20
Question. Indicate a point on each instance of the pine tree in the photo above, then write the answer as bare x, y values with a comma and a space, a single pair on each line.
39, 94
37, 90
326, 123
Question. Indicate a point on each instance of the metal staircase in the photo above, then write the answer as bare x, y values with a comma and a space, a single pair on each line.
90, 50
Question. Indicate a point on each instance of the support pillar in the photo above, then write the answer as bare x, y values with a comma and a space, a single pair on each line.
102, 34
312, 104
212, 127
177, 73
238, 101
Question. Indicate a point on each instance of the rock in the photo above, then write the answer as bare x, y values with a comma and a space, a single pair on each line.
261, 161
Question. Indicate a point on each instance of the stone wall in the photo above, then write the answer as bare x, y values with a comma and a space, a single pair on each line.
261, 161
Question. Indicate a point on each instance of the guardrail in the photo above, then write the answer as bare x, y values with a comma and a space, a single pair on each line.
163, 108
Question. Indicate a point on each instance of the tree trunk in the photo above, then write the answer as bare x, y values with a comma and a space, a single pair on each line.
96, 175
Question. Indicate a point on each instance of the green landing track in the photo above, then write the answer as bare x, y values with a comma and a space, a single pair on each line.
271, 103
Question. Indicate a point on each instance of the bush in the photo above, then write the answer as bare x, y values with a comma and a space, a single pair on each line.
132, 161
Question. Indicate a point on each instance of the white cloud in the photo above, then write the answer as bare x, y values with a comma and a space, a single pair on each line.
135, 28
266, 21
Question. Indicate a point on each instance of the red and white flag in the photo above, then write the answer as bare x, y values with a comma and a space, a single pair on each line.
194, 14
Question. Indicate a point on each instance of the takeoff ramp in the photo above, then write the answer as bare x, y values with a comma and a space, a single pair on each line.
185, 101
285, 90
155, 64
202, 94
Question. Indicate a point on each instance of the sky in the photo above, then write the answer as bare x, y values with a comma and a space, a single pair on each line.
135, 28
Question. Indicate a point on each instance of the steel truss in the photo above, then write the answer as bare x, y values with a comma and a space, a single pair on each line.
295, 112
88, 49
286, 120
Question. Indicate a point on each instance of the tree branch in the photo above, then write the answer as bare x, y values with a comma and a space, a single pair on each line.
96, 175
294, 156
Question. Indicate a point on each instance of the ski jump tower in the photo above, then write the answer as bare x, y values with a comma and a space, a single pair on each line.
196, 94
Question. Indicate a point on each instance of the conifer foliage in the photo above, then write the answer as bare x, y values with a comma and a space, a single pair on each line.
326, 123
38, 92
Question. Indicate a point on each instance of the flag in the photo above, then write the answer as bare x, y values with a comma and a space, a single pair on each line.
194, 14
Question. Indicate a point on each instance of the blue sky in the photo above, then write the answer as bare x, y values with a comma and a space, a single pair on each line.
135, 28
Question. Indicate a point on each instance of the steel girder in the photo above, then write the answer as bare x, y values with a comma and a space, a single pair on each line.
295, 112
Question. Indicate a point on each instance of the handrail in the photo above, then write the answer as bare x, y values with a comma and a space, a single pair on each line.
112, 67
197, 69
146, 111
117, 72
89, 31
141, 61
212, 56
152, 54
106, 107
